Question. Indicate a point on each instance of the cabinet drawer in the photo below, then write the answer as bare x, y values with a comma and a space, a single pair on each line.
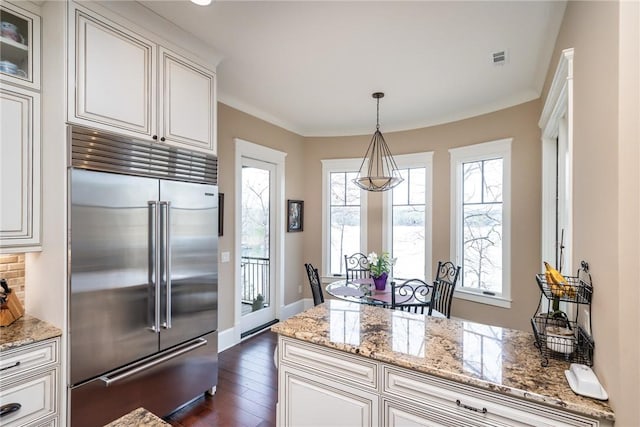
473, 404
330, 364
35, 394
28, 358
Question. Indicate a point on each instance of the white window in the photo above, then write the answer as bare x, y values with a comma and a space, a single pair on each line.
344, 220
407, 218
480, 207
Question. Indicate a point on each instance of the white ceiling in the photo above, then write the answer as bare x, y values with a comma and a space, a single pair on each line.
311, 66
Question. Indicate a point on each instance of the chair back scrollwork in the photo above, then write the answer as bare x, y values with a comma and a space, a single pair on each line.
413, 295
316, 286
356, 266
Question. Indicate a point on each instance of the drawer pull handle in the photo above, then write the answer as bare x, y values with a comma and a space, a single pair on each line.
197, 343
9, 408
10, 366
471, 408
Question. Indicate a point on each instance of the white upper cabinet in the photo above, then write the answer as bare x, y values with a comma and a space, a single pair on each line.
19, 46
187, 97
19, 169
123, 80
115, 84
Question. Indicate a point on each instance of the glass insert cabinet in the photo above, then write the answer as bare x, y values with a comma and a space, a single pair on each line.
19, 46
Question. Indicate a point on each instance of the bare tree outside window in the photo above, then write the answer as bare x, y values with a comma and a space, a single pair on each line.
344, 219
408, 226
255, 249
482, 220
255, 212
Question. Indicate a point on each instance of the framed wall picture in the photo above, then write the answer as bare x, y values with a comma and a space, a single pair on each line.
220, 214
295, 213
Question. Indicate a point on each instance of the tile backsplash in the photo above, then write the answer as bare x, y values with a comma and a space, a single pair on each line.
12, 269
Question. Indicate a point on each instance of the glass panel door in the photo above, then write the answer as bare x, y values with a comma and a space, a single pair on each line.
16, 44
257, 243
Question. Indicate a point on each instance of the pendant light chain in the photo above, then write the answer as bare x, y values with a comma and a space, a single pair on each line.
377, 113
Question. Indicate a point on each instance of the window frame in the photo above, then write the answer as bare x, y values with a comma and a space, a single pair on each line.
339, 165
411, 161
472, 153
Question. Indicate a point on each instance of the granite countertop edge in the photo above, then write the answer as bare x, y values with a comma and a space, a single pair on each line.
306, 336
24, 331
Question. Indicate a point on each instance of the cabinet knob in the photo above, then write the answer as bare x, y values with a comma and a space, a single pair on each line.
163, 139
155, 137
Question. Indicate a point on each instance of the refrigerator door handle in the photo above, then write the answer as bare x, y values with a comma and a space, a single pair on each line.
190, 346
154, 262
167, 261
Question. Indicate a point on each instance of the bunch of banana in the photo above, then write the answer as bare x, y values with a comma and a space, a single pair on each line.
557, 283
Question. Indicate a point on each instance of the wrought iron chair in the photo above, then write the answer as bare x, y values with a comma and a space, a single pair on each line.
357, 266
413, 295
316, 286
443, 287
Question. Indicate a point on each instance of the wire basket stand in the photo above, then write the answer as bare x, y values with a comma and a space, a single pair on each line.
559, 335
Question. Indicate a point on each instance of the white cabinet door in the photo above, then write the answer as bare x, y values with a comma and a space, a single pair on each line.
32, 397
19, 169
114, 78
309, 400
187, 99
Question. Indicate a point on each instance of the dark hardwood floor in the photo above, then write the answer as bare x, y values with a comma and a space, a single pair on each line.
247, 389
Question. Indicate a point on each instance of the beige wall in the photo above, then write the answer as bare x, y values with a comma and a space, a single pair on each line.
519, 122
235, 124
605, 38
628, 393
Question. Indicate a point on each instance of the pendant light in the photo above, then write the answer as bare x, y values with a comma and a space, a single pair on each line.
381, 172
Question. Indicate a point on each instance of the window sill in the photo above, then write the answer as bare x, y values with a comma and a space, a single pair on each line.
483, 299
325, 280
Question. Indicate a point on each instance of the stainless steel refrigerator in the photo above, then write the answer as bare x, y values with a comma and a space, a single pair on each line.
143, 286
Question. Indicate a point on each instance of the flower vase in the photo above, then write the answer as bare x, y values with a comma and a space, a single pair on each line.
380, 281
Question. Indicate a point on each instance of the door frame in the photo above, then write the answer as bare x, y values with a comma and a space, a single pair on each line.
258, 152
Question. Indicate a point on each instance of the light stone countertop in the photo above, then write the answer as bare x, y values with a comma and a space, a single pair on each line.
489, 357
26, 330
140, 418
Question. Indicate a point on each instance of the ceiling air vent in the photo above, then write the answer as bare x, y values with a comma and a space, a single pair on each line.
499, 58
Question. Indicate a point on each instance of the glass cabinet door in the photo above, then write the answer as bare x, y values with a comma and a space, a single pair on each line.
19, 45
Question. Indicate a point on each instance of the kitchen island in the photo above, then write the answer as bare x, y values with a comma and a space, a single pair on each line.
343, 363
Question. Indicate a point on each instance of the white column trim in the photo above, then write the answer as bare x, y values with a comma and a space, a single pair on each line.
559, 103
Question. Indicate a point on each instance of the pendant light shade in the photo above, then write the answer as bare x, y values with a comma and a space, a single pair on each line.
378, 171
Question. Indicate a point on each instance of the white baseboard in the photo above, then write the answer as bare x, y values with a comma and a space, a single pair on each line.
227, 339
230, 337
295, 308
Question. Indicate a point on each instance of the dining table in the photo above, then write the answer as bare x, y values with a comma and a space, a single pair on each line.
363, 291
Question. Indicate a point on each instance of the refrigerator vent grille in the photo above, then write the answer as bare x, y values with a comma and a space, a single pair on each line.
107, 152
